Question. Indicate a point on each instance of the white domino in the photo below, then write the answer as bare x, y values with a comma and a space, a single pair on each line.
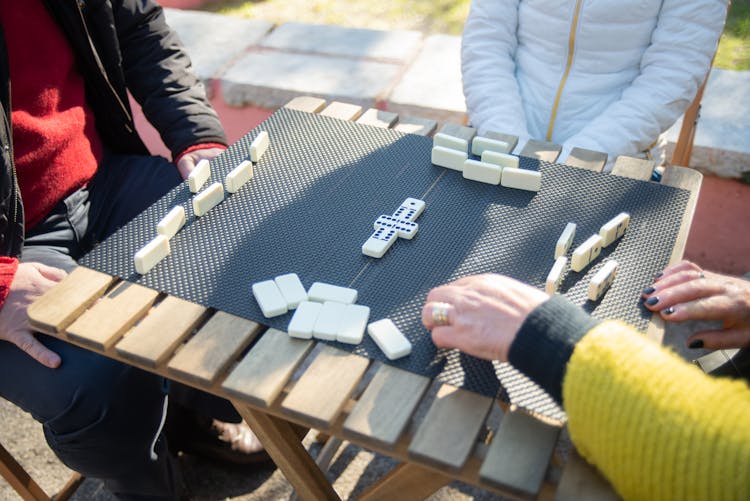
452, 142
172, 222
566, 240
353, 324
208, 199
322, 292
239, 176
199, 175
481, 144
483, 172
327, 325
304, 319
521, 179
151, 253
501, 159
449, 158
389, 339
614, 228
410, 209
259, 146
269, 298
556, 274
602, 280
291, 289
404, 229
379, 242
586, 253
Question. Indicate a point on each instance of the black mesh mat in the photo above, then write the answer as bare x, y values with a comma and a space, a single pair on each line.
312, 204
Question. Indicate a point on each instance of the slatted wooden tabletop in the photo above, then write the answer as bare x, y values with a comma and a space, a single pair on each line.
439, 432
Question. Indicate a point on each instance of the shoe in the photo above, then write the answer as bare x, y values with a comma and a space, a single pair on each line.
231, 444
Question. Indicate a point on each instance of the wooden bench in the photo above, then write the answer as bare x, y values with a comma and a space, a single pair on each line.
437, 432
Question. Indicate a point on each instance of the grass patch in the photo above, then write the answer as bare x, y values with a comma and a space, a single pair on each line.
734, 46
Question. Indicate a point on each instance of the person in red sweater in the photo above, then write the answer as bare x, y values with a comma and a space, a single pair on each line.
73, 170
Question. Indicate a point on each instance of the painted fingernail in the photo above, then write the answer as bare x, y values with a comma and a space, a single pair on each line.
649, 290
698, 343
659, 275
668, 311
652, 300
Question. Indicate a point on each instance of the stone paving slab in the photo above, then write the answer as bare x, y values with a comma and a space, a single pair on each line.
214, 40
725, 113
392, 46
433, 81
271, 78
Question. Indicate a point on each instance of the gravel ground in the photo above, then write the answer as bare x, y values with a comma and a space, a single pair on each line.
352, 470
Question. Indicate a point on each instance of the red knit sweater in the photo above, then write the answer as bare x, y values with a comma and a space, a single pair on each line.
56, 146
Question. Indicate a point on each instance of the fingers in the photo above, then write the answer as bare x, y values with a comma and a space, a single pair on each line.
31, 345
50, 273
438, 313
723, 339
185, 165
676, 268
661, 297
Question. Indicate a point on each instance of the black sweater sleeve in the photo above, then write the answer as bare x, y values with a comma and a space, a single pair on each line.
546, 340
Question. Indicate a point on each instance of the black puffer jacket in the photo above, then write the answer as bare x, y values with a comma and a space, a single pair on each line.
119, 46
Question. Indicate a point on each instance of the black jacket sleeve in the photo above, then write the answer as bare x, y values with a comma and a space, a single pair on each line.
158, 74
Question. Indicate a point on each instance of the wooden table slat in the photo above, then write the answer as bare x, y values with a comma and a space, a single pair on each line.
306, 103
378, 118
461, 131
213, 348
154, 339
324, 388
342, 111
582, 482
106, 321
691, 180
450, 428
261, 375
63, 303
414, 125
541, 150
520, 453
634, 168
506, 138
586, 159
384, 409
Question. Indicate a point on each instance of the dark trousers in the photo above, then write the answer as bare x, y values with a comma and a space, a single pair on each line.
101, 417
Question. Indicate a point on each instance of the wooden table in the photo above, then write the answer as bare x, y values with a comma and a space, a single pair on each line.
283, 386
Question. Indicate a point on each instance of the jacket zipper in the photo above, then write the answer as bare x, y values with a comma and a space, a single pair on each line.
79, 7
568, 64
9, 147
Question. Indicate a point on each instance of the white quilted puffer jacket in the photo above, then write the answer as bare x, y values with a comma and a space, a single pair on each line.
606, 75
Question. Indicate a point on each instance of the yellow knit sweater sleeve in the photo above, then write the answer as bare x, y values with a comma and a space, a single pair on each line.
656, 426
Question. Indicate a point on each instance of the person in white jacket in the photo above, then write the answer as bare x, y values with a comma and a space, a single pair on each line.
605, 75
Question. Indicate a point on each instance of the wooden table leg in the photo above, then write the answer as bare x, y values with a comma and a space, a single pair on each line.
284, 446
19, 479
406, 481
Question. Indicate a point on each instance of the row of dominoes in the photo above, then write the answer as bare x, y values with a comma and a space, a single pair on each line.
327, 312
158, 248
496, 166
388, 229
585, 254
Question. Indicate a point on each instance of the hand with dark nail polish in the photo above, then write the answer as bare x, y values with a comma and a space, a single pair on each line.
698, 343
649, 290
668, 311
652, 300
